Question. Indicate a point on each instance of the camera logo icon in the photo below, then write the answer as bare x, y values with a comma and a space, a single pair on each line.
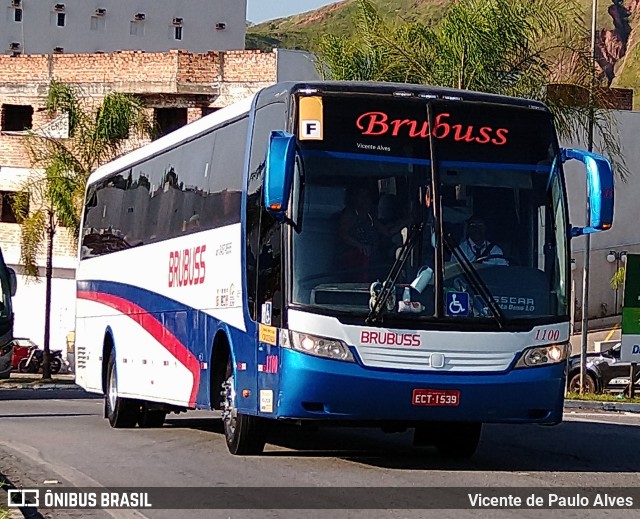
23, 498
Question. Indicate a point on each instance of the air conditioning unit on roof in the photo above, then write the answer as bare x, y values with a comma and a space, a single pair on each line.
16, 3
58, 7
58, 50
139, 17
177, 21
101, 11
221, 26
14, 45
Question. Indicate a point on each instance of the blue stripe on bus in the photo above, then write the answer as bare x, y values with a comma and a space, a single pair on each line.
425, 162
365, 156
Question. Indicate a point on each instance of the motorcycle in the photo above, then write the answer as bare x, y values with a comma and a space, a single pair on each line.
33, 361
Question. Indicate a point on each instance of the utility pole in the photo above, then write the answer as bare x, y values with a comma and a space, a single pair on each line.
46, 361
587, 244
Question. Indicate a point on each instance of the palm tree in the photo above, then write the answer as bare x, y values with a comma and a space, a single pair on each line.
53, 197
510, 47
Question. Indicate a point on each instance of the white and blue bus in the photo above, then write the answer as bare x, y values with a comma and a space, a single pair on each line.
372, 254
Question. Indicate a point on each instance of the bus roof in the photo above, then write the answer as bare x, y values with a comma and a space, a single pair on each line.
172, 139
406, 90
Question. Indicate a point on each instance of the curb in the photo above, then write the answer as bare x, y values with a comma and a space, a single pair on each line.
602, 406
39, 386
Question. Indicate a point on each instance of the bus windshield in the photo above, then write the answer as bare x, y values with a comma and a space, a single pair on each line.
366, 189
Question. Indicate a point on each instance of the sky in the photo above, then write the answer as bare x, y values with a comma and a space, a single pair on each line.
261, 10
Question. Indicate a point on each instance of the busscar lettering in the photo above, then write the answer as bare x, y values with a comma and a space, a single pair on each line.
378, 124
187, 267
390, 338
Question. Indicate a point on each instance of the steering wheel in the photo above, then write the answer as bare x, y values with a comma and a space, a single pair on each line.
482, 259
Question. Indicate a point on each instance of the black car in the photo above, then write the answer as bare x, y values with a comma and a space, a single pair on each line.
605, 372
6, 353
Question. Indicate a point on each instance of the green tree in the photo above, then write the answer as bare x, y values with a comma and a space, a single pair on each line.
507, 47
53, 197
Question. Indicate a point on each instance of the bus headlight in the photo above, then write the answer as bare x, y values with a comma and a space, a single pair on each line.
318, 346
543, 355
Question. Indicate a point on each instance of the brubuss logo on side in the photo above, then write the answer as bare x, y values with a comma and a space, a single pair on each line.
187, 266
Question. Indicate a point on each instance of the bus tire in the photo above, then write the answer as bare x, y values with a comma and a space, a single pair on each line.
244, 434
122, 413
151, 418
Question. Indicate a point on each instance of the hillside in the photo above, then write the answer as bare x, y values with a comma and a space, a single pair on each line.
302, 31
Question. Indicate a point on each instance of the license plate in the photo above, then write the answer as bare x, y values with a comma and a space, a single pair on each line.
436, 397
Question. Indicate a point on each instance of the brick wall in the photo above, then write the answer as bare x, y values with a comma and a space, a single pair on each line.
135, 70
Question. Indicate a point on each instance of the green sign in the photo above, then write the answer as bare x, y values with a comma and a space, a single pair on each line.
631, 308
630, 348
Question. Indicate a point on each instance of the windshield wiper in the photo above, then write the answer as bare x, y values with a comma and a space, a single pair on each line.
475, 280
389, 283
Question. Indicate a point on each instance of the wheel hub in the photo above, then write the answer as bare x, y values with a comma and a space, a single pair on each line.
112, 390
229, 413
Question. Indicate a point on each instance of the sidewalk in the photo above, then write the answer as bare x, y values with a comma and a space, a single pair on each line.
34, 381
620, 407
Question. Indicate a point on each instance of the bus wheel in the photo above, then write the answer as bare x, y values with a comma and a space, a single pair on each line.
122, 413
151, 418
244, 434
454, 440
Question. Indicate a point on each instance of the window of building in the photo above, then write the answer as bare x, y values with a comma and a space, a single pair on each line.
177, 33
169, 119
17, 118
209, 110
17, 15
7, 214
98, 23
61, 18
136, 28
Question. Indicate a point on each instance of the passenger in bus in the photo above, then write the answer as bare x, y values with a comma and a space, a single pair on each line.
361, 234
192, 224
477, 248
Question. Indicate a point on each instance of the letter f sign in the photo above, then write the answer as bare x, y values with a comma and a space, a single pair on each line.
311, 130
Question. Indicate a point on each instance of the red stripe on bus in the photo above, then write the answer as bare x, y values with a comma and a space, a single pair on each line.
155, 329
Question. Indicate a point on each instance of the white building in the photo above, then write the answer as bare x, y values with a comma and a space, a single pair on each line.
88, 26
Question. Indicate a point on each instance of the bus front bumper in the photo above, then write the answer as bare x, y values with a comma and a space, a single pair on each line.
320, 389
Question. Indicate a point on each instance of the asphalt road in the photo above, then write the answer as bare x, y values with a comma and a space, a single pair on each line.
61, 435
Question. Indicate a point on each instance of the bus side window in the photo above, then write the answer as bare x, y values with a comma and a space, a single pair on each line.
267, 118
269, 269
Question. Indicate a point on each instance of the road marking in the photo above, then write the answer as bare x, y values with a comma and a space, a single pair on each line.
74, 476
612, 332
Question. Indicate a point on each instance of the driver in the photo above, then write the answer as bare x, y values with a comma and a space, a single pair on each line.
476, 247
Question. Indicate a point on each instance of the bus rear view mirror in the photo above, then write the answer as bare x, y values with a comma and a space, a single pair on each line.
278, 175
601, 199
13, 281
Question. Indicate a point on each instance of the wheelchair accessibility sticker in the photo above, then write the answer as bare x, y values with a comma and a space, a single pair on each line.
458, 304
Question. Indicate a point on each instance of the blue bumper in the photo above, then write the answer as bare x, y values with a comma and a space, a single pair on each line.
320, 389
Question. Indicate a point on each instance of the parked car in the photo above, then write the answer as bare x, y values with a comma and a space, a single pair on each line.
604, 372
21, 348
6, 354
